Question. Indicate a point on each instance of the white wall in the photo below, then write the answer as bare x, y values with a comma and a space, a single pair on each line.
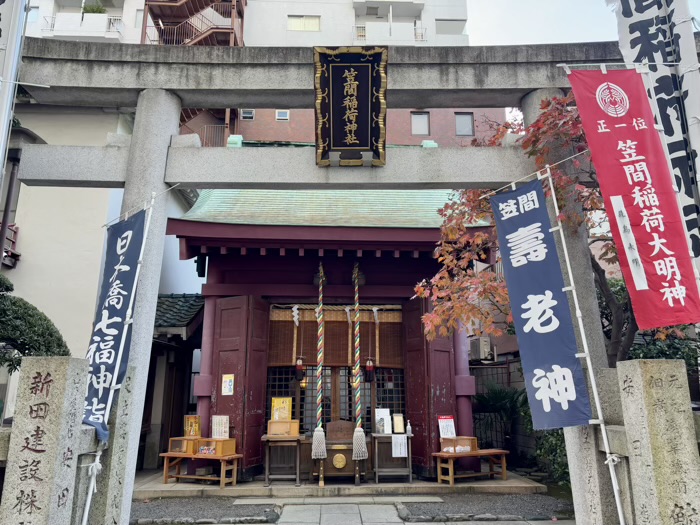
61, 236
266, 23
176, 276
79, 29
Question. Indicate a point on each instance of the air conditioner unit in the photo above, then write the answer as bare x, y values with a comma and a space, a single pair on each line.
479, 348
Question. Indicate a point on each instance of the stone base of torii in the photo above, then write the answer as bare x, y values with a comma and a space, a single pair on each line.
143, 168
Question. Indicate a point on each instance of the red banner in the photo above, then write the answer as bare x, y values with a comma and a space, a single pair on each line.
640, 199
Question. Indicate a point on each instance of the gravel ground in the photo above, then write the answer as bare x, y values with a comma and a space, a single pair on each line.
197, 508
525, 505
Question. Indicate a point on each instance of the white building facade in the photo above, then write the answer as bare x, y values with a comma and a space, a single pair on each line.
347, 22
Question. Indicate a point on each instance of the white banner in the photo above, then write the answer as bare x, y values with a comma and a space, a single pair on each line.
661, 33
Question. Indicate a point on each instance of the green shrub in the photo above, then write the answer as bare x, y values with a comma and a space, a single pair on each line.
550, 450
25, 330
96, 8
671, 348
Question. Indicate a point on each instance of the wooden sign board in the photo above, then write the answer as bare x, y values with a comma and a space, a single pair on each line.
193, 426
350, 87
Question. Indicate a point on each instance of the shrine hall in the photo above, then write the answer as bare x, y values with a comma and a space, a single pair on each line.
260, 252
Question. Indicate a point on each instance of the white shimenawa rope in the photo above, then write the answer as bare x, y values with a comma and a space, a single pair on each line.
94, 469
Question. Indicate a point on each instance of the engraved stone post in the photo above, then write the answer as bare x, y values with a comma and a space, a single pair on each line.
41, 463
663, 450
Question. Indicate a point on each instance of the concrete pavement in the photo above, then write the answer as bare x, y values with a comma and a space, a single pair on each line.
359, 514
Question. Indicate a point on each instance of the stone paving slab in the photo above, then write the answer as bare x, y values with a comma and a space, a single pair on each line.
379, 514
301, 513
340, 508
338, 519
338, 500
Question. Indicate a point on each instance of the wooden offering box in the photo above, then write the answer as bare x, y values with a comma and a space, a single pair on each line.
216, 447
459, 444
288, 427
183, 445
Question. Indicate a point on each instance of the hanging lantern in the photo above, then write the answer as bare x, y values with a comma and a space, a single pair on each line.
299, 371
369, 370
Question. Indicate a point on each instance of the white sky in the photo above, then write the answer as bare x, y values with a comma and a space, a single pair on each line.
505, 22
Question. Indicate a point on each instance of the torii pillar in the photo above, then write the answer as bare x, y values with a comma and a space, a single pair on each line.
157, 120
594, 502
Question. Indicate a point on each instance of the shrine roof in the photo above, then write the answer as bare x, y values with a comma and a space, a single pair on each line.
177, 310
331, 208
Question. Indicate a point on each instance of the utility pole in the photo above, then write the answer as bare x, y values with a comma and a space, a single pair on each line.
13, 16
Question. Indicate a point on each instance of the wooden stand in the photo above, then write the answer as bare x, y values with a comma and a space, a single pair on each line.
228, 464
445, 460
407, 470
282, 441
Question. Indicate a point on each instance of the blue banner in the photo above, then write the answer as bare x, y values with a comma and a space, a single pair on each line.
556, 388
108, 352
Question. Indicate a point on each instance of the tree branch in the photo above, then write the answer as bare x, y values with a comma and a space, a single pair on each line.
616, 309
628, 341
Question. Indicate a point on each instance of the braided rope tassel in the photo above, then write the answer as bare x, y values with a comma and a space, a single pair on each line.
320, 349
356, 367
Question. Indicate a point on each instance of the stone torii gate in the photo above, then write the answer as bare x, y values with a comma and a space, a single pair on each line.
158, 81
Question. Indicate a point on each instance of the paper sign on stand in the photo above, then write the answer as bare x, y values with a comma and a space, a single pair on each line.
447, 426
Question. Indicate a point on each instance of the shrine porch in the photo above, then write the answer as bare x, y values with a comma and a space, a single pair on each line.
149, 485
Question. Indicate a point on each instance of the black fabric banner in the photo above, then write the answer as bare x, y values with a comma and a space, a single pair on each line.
108, 352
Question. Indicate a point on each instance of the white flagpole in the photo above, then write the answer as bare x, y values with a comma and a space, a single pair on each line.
611, 459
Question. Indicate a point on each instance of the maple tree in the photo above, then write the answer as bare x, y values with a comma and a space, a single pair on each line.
468, 289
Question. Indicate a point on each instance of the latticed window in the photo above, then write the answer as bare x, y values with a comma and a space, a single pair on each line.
337, 394
381, 339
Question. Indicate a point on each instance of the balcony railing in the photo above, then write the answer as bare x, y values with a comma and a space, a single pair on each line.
216, 16
49, 23
210, 136
10, 255
75, 23
115, 24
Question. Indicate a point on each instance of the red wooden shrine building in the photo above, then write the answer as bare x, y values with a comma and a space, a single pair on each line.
260, 252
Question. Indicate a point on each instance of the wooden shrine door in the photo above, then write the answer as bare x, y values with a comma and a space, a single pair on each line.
429, 382
241, 331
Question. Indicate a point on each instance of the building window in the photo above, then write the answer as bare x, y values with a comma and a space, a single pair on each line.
420, 123
464, 124
450, 27
33, 15
282, 114
303, 23
247, 114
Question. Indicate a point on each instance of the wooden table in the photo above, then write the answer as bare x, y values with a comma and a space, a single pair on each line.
282, 441
391, 471
228, 463
445, 460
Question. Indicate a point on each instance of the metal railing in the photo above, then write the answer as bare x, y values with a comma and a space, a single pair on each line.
213, 136
216, 16
115, 24
49, 23
360, 33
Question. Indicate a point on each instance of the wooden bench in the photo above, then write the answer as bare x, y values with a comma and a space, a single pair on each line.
445, 460
228, 463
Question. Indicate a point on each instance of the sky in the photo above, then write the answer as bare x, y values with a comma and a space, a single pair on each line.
506, 22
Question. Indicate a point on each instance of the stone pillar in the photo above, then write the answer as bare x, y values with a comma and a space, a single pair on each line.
465, 387
594, 503
42, 458
661, 442
157, 120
